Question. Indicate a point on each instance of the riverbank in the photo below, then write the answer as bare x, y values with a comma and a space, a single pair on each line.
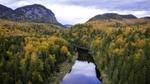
64, 68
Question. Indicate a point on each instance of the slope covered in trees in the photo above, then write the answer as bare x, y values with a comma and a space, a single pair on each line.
30, 52
121, 53
33, 53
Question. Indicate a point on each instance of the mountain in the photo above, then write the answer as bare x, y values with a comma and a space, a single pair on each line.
108, 16
5, 12
147, 18
32, 13
35, 13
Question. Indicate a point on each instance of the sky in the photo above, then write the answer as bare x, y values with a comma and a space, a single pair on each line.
79, 11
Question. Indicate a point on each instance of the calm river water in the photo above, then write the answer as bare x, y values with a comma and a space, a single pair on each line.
82, 72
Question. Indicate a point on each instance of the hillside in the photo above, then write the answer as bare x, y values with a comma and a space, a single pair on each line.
121, 54
34, 52
113, 23
108, 16
147, 18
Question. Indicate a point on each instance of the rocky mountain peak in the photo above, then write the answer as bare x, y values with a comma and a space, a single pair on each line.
32, 13
35, 13
5, 11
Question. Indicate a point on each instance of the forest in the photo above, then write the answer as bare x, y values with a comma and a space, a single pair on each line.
36, 53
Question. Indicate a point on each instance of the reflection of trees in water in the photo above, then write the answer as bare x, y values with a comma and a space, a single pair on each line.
84, 55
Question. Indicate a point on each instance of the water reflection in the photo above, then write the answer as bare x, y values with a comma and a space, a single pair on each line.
82, 73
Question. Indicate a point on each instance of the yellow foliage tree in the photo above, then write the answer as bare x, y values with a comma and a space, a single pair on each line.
119, 40
140, 43
64, 50
96, 42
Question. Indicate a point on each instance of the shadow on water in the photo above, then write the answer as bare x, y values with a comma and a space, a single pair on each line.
84, 70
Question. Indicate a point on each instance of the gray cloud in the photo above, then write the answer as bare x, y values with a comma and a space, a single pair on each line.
112, 4
6, 2
142, 5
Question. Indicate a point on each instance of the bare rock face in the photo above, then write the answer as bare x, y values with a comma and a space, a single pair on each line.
32, 13
35, 13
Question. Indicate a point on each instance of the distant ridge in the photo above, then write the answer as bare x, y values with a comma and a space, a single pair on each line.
147, 18
68, 25
108, 16
32, 13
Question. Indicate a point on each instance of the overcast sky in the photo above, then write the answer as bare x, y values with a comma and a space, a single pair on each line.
79, 11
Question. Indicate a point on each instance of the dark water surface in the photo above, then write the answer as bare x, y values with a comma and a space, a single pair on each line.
82, 73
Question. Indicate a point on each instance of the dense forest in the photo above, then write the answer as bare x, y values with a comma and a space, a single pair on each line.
32, 53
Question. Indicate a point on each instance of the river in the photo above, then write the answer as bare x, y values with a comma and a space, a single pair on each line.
82, 72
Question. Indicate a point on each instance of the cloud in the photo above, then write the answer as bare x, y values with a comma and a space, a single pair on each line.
100, 4
19, 3
79, 11
73, 14
111, 4
139, 5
